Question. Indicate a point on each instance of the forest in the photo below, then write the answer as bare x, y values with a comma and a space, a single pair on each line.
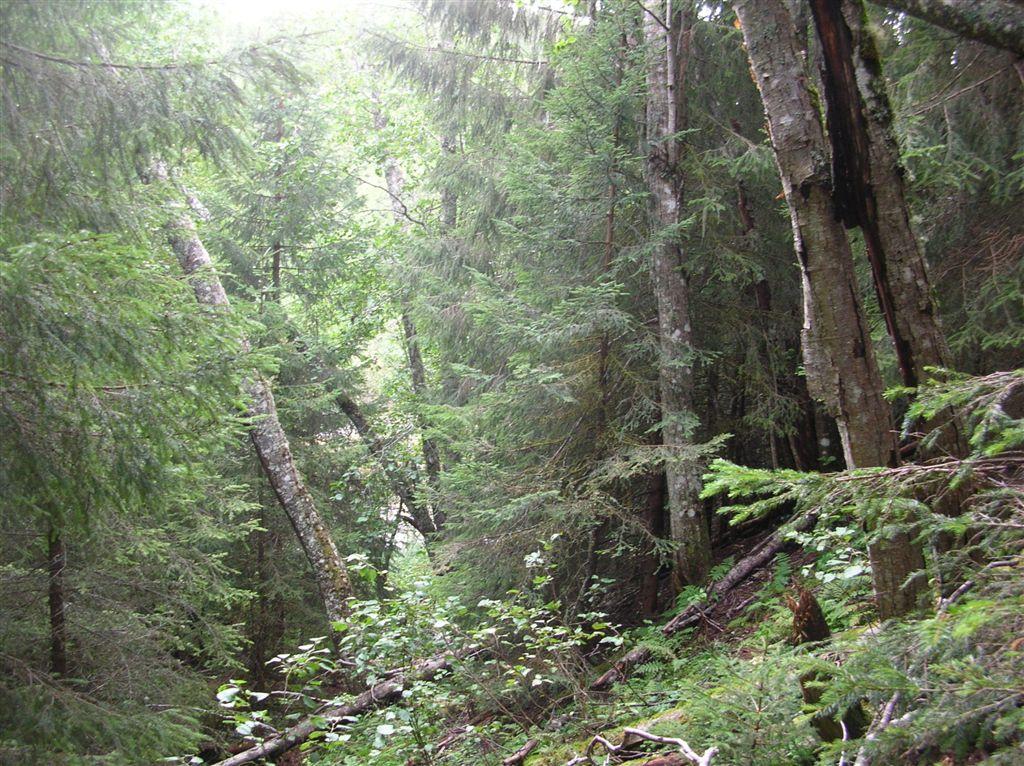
512, 382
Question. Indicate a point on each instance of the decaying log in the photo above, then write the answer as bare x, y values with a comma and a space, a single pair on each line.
384, 693
762, 553
631, 737
389, 691
520, 755
810, 627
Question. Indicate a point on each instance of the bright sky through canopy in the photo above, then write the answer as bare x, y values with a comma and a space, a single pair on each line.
256, 15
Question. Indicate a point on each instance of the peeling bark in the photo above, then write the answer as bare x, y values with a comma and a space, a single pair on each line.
668, 54
994, 22
838, 357
269, 438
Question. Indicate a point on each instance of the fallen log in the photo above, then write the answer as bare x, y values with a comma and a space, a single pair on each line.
762, 553
520, 755
384, 693
390, 690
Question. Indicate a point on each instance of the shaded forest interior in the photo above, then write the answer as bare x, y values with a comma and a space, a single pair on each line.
519, 382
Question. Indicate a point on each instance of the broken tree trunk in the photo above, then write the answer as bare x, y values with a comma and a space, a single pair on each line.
838, 355
999, 23
869, 186
384, 693
57, 561
870, 194
810, 627
268, 437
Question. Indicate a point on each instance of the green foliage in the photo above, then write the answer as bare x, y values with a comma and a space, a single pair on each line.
521, 256
507, 653
111, 373
120, 394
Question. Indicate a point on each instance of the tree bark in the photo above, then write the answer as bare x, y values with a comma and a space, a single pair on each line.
995, 22
870, 194
418, 373
57, 561
838, 356
268, 438
869, 185
810, 627
668, 53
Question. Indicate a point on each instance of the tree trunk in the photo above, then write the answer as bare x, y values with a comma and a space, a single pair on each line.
870, 194
810, 627
418, 373
869, 185
56, 563
668, 52
269, 438
403, 486
417, 370
838, 357
995, 22
654, 505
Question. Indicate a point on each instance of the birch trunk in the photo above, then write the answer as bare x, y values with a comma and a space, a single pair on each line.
999, 23
268, 437
838, 357
668, 51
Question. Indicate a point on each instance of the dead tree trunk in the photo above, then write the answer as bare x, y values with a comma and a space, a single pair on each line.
999, 23
838, 356
268, 438
810, 627
668, 38
869, 189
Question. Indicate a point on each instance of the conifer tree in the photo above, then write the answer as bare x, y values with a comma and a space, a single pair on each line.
668, 34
